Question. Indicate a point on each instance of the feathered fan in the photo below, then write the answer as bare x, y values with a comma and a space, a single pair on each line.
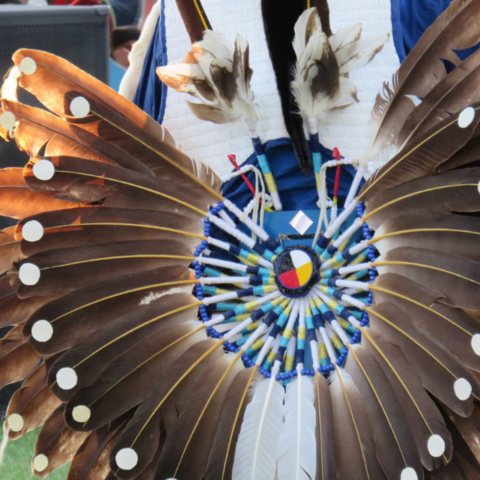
355, 359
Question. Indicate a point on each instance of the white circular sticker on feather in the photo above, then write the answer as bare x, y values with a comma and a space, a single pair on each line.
7, 120
81, 413
66, 378
40, 463
15, 422
436, 446
44, 170
466, 117
126, 458
28, 66
42, 331
463, 389
408, 474
32, 231
475, 342
29, 274
80, 107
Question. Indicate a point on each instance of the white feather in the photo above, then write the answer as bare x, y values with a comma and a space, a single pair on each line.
257, 446
297, 452
131, 79
345, 36
357, 54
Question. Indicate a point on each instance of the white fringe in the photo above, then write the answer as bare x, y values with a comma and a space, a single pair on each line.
3, 445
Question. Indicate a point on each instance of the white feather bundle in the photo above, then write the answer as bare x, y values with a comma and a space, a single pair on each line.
217, 76
297, 451
320, 82
257, 446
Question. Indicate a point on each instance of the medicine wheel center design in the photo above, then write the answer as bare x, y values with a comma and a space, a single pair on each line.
297, 270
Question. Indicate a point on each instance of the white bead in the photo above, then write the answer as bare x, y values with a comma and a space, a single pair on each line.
42, 331
81, 414
32, 231
80, 107
29, 274
7, 120
67, 378
15, 422
126, 459
436, 446
475, 342
462, 388
40, 463
44, 170
28, 66
466, 117
408, 474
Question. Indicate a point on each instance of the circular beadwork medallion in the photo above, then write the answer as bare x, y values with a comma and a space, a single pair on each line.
296, 270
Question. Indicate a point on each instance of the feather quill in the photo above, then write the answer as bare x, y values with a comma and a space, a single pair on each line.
257, 446
297, 443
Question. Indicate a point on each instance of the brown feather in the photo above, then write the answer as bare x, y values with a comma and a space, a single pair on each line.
456, 278
156, 325
34, 401
459, 89
455, 191
442, 233
9, 249
437, 368
188, 444
325, 430
422, 415
220, 460
57, 442
160, 157
141, 434
54, 77
421, 156
18, 201
79, 314
194, 18
68, 269
451, 328
129, 376
455, 29
93, 226
354, 443
81, 180
394, 444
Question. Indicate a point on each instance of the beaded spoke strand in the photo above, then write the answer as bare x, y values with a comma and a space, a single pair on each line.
308, 326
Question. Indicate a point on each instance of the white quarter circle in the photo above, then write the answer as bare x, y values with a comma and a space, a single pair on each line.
15, 422
29, 274
80, 107
475, 342
466, 117
81, 413
44, 170
42, 331
7, 120
436, 446
463, 389
66, 378
28, 66
32, 231
408, 474
126, 459
40, 463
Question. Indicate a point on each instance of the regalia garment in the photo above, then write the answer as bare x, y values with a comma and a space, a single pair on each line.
163, 332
